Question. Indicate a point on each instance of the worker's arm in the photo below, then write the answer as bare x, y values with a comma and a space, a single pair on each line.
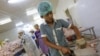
64, 50
48, 43
67, 25
76, 30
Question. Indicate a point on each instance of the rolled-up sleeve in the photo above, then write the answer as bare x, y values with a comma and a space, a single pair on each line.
65, 23
43, 32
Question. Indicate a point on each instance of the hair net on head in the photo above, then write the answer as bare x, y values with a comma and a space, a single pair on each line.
44, 8
19, 31
6, 39
31, 31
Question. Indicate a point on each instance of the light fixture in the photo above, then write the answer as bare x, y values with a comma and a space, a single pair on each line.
5, 21
19, 24
31, 12
27, 27
14, 1
36, 16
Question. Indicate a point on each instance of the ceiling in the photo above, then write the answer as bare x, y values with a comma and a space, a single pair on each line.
17, 12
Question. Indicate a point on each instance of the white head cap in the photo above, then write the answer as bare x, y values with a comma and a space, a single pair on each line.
6, 40
19, 31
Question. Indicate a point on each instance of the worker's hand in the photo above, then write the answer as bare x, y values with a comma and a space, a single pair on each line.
65, 50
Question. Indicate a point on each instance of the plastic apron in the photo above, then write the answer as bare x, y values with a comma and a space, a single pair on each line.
29, 46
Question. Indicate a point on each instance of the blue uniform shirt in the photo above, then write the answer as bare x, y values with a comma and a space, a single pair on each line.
47, 31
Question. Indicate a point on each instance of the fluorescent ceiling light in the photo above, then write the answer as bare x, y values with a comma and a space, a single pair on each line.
31, 12
19, 24
14, 1
37, 16
27, 27
5, 21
